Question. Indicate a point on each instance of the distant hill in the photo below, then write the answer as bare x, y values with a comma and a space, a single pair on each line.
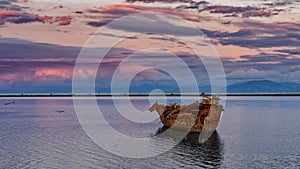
250, 87
260, 86
264, 86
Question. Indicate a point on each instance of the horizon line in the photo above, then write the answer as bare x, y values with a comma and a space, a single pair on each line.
147, 95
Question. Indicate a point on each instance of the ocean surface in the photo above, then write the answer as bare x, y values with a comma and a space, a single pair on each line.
254, 132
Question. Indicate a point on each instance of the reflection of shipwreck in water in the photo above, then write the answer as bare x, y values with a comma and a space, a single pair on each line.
196, 117
207, 155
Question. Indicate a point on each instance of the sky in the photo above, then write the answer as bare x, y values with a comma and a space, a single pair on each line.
41, 41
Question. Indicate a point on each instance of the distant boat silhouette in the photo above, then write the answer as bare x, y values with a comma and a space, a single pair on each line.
60, 111
8, 103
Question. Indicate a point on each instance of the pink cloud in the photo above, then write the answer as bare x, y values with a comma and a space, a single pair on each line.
60, 73
258, 13
63, 20
46, 18
8, 13
85, 73
163, 1
9, 78
125, 9
20, 17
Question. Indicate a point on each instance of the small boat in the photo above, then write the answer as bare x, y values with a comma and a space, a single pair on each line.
195, 117
9, 103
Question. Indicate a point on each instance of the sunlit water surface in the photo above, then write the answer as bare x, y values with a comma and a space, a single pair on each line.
254, 132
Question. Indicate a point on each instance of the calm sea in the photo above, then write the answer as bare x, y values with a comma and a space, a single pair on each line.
254, 132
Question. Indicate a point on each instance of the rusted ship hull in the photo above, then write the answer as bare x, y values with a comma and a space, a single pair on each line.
191, 123
197, 117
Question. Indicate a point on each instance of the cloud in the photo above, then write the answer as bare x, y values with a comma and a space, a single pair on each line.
115, 11
148, 73
8, 13
265, 61
289, 51
163, 1
260, 13
232, 11
260, 35
255, 74
252, 74
273, 66
125, 9
58, 72
23, 63
63, 20
294, 76
23, 50
227, 9
28, 77
7, 5
279, 3
275, 27
55, 67
98, 23
150, 24
86, 73
18, 17
28, 66
263, 57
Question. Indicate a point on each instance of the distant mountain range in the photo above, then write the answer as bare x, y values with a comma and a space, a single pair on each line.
264, 86
250, 87
260, 86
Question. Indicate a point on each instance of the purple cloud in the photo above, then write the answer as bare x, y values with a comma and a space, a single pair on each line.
163, 1
18, 17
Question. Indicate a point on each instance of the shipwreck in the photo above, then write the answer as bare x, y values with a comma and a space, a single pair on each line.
195, 117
